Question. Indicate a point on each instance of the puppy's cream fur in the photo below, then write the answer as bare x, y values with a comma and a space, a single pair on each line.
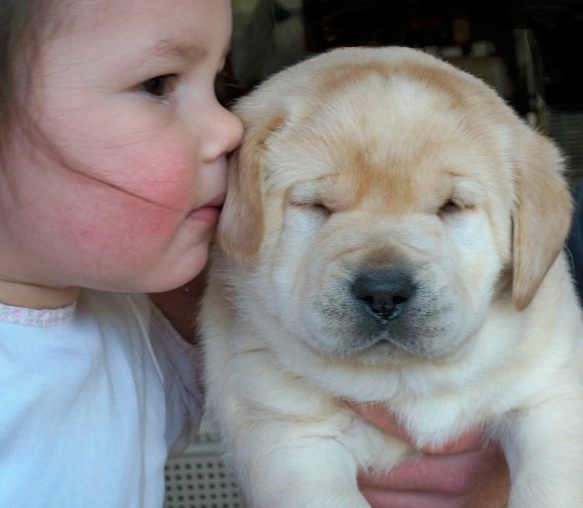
393, 233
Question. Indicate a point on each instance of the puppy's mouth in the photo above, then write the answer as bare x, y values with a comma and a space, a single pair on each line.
385, 345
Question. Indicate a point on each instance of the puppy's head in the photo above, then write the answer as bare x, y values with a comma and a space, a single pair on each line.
382, 196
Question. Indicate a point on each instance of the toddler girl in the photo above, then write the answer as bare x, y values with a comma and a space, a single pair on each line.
113, 166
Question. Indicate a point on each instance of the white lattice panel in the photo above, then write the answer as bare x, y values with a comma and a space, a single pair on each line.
199, 479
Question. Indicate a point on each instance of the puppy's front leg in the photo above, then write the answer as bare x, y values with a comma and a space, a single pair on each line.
296, 466
544, 449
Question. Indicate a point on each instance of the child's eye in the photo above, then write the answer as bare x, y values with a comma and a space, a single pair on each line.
159, 86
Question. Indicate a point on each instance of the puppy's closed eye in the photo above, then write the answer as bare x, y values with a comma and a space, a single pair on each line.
316, 207
451, 206
307, 198
464, 195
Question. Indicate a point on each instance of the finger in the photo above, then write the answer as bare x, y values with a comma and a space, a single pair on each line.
428, 475
379, 498
452, 474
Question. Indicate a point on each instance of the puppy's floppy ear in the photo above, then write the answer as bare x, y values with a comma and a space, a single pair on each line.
242, 226
541, 216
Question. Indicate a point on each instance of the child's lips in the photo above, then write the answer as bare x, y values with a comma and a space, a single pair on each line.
209, 212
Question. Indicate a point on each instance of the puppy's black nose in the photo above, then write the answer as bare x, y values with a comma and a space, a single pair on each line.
383, 292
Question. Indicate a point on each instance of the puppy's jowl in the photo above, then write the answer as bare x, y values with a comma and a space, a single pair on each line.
392, 233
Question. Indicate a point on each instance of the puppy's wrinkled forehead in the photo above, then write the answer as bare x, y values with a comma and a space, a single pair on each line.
345, 77
405, 131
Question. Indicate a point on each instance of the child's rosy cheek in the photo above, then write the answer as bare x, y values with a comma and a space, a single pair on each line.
165, 178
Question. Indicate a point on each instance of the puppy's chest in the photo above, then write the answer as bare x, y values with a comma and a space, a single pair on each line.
297, 386
435, 420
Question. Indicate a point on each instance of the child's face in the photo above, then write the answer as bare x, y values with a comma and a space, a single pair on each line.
123, 191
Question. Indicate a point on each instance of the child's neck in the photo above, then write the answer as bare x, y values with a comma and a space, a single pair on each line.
36, 297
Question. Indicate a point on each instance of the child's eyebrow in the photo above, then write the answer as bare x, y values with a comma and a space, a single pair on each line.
175, 48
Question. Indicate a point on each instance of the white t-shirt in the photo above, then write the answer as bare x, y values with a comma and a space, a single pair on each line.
92, 397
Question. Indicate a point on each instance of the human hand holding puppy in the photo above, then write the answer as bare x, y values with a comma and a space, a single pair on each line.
466, 472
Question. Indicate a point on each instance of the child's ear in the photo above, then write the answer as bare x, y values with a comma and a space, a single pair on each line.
541, 216
242, 226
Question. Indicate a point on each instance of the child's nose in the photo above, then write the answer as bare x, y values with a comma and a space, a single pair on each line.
224, 134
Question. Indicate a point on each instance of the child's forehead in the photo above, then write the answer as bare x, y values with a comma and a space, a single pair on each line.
75, 16
147, 24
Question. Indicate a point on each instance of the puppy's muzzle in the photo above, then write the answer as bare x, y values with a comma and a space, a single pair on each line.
385, 311
383, 292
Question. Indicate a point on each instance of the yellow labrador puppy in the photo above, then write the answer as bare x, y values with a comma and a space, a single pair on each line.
392, 232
